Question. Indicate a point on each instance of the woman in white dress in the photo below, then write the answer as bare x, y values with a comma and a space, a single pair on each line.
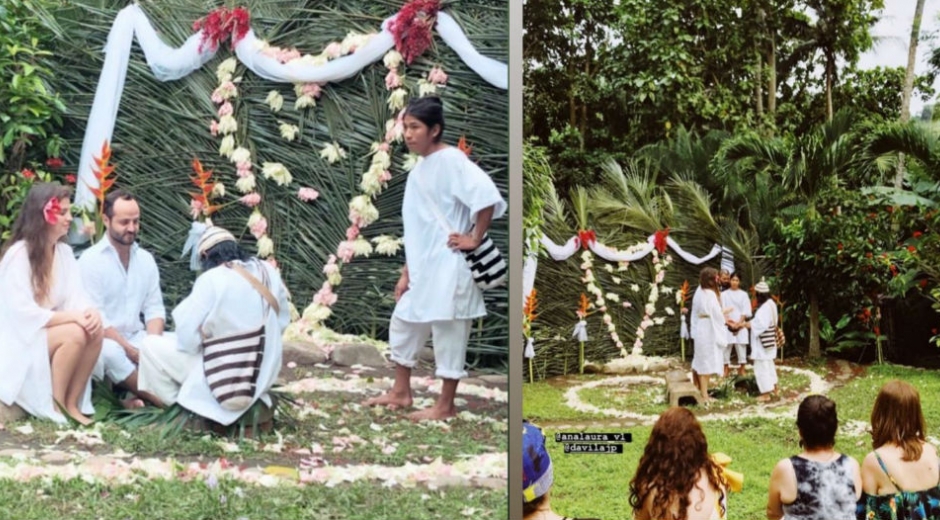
710, 331
764, 318
51, 334
739, 305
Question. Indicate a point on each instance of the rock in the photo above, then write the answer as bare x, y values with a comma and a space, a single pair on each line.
472, 381
10, 414
17, 454
636, 364
445, 481
491, 483
56, 457
353, 354
305, 353
496, 379
677, 376
592, 368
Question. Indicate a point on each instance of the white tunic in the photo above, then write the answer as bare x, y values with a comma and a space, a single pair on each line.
122, 295
223, 303
740, 306
764, 318
25, 374
440, 283
710, 332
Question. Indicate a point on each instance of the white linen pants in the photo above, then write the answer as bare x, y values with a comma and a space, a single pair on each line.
765, 371
450, 337
740, 348
163, 368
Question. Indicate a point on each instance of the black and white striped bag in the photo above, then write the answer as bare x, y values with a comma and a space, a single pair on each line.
232, 363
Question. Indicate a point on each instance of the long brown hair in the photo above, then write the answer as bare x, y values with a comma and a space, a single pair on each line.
675, 455
30, 226
898, 418
707, 280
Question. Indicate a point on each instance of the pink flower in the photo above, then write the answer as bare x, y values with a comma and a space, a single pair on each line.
285, 55
244, 169
638, 343
331, 259
437, 76
325, 295
216, 97
51, 210
195, 207
259, 228
311, 89
226, 109
627, 305
214, 128
352, 233
384, 147
345, 251
334, 50
386, 176
392, 80
251, 200
332, 268
308, 194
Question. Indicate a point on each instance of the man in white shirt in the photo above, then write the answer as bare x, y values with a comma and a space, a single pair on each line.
123, 282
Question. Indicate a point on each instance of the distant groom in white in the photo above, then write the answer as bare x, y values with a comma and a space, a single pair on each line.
436, 295
123, 281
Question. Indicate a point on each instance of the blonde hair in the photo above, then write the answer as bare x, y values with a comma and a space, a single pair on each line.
897, 418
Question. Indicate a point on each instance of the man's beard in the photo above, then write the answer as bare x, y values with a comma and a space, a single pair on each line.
124, 238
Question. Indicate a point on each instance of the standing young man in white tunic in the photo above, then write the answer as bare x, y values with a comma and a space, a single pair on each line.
764, 318
436, 295
123, 281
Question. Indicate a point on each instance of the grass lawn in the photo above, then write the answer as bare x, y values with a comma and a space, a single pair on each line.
589, 485
333, 459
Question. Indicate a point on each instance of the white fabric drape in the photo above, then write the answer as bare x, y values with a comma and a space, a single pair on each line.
580, 331
169, 64
529, 348
528, 276
612, 255
561, 253
566, 251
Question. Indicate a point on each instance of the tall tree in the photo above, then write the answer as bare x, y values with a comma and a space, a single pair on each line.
909, 83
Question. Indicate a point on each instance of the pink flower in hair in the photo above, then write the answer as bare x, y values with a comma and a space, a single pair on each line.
52, 210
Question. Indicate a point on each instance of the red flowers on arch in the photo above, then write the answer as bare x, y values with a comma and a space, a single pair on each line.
223, 24
412, 27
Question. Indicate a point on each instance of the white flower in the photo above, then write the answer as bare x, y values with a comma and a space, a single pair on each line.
265, 246
640, 334
362, 247
240, 155
592, 288
370, 184
635, 288
275, 100
227, 125
411, 160
586, 256
381, 160
659, 321
334, 278
278, 172
317, 313
613, 297
666, 290
611, 327
354, 41
218, 190
670, 312
654, 294
225, 70
650, 308
227, 146
254, 218
393, 130
426, 88
362, 212
332, 153
616, 280
386, 245
678, 298
288, 131
396, 100
392, 59
622, 266
246, 184
304, 102
609, 268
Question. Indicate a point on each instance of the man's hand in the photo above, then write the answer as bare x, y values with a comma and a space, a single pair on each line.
91, 322
463, 242
133, 354
402, 286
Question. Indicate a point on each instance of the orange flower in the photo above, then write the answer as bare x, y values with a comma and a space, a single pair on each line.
102, 170
202, 180
531, 303
463, 146
583, 309
684, 290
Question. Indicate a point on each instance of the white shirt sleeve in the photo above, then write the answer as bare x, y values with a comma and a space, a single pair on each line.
476, 190
77, 299
153, 302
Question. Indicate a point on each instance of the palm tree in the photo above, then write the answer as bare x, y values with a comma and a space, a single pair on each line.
909, 83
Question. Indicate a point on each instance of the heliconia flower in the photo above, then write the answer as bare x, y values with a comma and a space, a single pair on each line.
257, 224
214, 128
304, 102
226, 109
288, 131
227, 146
325, 295
426, 88
386, 245
241, 155
396, 100
362, 247
265, 247
392, 59
437, 76
345, 251
228, 125
278, 172
307, 194
411, 160
245, 184
333, 50
225, 70
332, 153
275, 100
392, 80
218, 190
251, 200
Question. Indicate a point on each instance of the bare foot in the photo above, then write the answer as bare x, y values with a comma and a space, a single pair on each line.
763, 398
433, 413
132, 403
80, 418
391, 400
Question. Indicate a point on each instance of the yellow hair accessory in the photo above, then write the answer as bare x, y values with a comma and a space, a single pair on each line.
735, 479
